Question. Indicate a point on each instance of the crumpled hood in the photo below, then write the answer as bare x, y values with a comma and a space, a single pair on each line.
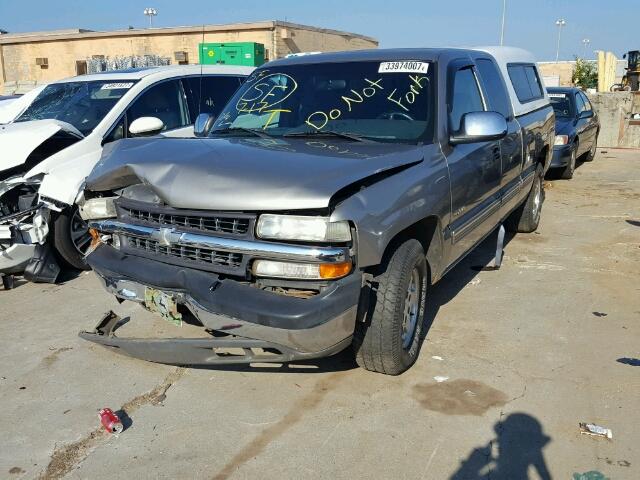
564, 126
19, 140
249, 174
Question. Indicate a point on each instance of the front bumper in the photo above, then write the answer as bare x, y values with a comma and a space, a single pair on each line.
561, 156
19, 237
252, 318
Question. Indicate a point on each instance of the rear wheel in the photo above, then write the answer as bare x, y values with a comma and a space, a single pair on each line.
568, 171
389, 340
71, 238
526, 218
592, 153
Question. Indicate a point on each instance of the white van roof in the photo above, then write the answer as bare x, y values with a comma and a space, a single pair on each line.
506, 55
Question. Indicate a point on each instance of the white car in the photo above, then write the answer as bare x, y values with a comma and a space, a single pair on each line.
50, 148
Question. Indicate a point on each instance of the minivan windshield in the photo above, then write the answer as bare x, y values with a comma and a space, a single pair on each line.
380, 101
82, 104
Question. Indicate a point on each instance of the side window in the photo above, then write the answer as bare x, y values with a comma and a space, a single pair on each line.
494, 86
466, 97
164, 101
525, 81
580, 106
210, 94
587, 102
117, 132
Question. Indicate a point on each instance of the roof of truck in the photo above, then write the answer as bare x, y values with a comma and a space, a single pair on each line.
509, 55
378, 54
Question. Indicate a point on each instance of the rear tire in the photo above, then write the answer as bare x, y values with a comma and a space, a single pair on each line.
71, 238
526, 218
389, 340
592, 153
568, 171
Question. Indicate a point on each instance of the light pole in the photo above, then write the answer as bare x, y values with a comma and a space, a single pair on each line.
150, 12
504, 14
585, 42
560, 23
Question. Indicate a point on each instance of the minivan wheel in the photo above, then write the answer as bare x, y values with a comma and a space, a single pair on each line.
71, 238
389, 339
525, 219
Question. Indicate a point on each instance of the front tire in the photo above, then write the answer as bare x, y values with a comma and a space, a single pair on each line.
71, 238
526, 218
389, 340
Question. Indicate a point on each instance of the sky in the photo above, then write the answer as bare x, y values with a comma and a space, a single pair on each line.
530, 24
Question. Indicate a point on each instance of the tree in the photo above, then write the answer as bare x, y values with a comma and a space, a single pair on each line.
585, 74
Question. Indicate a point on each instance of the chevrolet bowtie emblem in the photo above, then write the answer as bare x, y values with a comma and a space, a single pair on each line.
166, 236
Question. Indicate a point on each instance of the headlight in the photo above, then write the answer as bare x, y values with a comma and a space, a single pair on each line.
97, 208
301, 271
561, 140
311, 229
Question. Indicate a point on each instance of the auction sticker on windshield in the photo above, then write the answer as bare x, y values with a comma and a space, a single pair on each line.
557, 95
404, 66
117, 86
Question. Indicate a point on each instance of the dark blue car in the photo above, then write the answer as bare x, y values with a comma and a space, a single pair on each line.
577, 129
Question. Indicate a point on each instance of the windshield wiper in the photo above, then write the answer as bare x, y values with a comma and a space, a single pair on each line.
253, 131
333, 133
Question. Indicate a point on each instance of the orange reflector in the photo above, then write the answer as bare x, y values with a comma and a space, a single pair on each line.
334, 270
95, 238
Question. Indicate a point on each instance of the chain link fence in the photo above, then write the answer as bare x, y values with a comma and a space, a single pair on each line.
106, 64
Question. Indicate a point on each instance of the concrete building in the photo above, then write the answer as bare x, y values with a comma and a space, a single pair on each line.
38, 57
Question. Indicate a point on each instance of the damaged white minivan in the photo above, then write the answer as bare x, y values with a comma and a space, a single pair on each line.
50, 148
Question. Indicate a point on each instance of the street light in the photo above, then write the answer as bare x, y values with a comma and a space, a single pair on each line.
585, 42
504, 13
150, 12
560, 23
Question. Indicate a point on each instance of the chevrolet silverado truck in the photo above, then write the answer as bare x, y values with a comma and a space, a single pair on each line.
318, 209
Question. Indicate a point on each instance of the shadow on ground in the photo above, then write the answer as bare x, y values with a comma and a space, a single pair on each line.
518, 446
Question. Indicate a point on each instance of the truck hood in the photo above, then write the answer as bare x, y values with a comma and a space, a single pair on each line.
19, 140
248, 174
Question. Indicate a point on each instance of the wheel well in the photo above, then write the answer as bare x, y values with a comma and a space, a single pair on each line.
427, 231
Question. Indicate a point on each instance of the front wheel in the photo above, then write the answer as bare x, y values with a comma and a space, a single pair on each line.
389, 340
71, 238
526, 218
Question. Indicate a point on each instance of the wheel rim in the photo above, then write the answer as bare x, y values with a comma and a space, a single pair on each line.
411, 309
79, 231
537, 199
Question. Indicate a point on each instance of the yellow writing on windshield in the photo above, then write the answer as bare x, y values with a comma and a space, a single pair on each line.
409, 97
266, 93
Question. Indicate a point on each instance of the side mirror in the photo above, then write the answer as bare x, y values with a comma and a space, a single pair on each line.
480, 127
146, 126
203, 124
586, 114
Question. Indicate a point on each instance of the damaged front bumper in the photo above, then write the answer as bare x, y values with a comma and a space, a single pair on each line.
20, 235
264, 326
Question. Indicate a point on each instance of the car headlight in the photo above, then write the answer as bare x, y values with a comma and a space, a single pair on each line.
97, 208
301, 271
561, 140
311, 229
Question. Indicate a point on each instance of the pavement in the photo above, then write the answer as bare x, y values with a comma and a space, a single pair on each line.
522, 355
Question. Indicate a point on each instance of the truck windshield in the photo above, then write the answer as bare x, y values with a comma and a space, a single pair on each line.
561, 104
381, 101
82, 104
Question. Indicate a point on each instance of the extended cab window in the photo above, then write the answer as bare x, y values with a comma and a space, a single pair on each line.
466, 97
164, 101
209, 94
525, 81
494, 86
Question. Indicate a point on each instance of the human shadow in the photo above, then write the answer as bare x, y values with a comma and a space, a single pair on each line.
519, 440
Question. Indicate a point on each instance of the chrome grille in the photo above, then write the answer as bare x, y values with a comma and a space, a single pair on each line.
216, 224
200, 256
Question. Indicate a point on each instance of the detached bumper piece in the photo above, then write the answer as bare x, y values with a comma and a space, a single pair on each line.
197, 351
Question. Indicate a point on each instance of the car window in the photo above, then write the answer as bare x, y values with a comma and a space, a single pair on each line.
466, 97
587, 103
216, 92
580, 106
525, 81
117, 132
561, 103
164, 101
494, 86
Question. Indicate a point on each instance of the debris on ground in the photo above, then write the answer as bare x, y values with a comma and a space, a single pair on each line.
592, 475
110, 421
634, 362
595, 430
600, 314
440, 379
437, 357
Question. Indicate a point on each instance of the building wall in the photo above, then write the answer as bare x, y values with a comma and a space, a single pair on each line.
18, 58
619, 114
